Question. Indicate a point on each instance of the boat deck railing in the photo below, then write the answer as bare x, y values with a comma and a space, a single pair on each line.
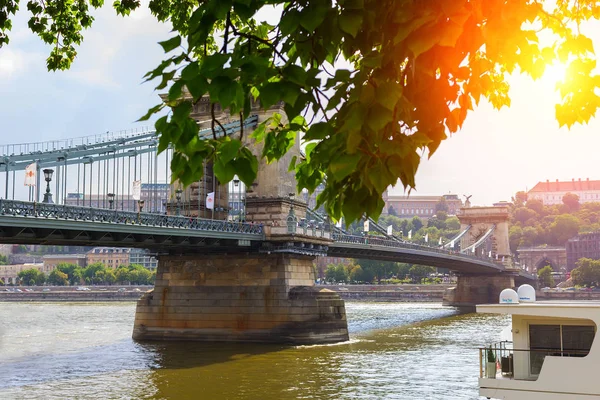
505, 354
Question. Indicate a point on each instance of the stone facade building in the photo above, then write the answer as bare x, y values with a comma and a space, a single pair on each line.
52, 260
421, 206
586, 245
112, 257
535, 258
551, 193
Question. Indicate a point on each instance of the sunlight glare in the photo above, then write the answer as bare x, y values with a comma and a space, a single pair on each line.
554, 74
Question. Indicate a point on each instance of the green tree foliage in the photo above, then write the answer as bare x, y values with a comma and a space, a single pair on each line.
587, 273
571, 201
1, 282
359, 275
417, 69
417, 223
520, 199
73, 272
563, 228
378, 269
58, 278
545, 277
420, 272
336, 273
392, 211
31, 277
536, 224
134, 274
452, 223
3, 259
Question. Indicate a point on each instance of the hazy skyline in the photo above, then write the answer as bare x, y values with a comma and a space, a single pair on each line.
495, 154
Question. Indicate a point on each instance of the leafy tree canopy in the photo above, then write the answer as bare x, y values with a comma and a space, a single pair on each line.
545, 277
416, 68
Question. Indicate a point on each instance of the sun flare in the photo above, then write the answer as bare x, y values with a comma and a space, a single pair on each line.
554, 74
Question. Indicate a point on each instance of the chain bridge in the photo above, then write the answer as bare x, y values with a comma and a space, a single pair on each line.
235, 262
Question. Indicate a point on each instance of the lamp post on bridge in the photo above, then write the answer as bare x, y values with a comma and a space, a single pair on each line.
178, 198
140, 208
48, 177
236, 184
111, 200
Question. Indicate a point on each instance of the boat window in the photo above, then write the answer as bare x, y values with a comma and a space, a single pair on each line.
558, 340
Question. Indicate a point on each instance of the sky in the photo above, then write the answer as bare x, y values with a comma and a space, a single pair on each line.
494, 155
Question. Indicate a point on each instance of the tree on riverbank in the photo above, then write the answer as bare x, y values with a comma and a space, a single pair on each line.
545, 278
416, 70
31, 277
58, 278
99, 274
587, 273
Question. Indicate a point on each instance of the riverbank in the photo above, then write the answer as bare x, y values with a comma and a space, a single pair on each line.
379, 293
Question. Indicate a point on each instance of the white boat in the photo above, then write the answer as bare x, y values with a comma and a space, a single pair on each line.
554, 353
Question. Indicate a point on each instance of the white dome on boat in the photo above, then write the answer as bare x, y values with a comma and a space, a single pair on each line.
509, 296
526, 293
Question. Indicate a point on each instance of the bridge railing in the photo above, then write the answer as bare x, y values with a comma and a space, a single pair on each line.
370, 240
88, 214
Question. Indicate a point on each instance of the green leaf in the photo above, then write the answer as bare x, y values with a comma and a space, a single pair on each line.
270, 94
151, 112
350, 22
181, 111
246, 166
191, 71
171, 44
176, 90
224, 171
224, 90
344, 165
229, 149
213, 65
319, 131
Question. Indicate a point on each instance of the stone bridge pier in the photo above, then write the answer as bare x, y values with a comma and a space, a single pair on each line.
266, 294
473, 289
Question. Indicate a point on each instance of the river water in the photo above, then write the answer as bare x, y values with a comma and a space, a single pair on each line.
85, 351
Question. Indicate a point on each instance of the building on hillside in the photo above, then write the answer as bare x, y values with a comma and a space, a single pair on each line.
420, 206
551, 193
535, 258
52, 260
585, 245
10, 273
112, 257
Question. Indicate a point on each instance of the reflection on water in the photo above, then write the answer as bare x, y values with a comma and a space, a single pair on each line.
85, 351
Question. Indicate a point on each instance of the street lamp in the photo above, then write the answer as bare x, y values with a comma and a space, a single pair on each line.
178, 197
111, 200
140, 208
236, 184
48, 176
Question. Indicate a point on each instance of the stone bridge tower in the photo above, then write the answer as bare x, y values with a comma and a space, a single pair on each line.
480, 220
473, 289
263, 293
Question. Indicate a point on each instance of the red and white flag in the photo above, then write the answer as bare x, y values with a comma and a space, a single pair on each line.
210, 201
30, 174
